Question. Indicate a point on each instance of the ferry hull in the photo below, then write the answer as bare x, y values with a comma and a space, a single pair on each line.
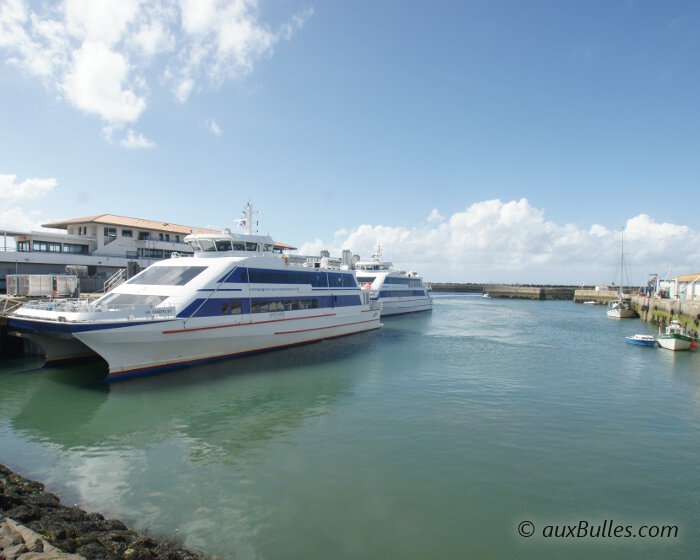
148, 348
390, 307
61, 348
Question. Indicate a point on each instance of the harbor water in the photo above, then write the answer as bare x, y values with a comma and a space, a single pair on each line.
488, 429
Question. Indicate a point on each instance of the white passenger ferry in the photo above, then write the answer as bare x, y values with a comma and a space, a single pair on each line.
399, 292
235, 296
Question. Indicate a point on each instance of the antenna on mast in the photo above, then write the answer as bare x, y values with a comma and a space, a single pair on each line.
245, 222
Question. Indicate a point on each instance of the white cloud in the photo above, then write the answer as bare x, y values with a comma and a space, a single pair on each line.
15, 218
213, 127
19, 220
97, 54
29, 188
435, 216
496, 241
136, 141
95, 84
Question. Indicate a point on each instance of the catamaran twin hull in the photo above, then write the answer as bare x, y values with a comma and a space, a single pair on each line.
400, 306
148, 346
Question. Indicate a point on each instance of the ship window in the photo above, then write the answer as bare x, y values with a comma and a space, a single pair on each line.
167, 275
239, 246
223, 245
224, 308
250, 246
207, 245
273, 306
125, 300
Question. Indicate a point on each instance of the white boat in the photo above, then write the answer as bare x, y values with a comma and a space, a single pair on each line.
234, 297
675, 337
399, 292
641, 340
621, 308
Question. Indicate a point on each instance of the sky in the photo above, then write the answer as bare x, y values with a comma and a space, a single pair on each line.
475, 141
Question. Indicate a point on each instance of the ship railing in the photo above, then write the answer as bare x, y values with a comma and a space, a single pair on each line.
9, 305
60, 304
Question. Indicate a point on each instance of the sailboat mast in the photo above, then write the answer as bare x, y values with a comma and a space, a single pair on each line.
622, 236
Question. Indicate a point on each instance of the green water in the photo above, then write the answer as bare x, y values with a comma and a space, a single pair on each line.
434, 437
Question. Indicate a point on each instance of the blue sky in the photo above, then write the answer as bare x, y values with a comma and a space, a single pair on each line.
476, 141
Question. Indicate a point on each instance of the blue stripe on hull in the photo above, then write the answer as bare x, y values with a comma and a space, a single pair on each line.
31, 325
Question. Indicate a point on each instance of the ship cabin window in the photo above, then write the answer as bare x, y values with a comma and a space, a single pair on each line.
223, 245
167, 275
250, 246
234, 308
126, 300
239, 246
267, 248
207, 245
275, 306
365, 279
127, 233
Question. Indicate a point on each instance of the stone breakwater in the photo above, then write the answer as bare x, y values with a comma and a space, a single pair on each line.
35, 526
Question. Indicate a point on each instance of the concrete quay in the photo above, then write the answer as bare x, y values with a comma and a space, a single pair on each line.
509, 291
660, 311
602, 297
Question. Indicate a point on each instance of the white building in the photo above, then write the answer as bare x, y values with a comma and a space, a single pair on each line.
104, 243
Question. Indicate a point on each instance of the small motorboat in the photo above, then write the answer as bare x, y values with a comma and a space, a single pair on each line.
676, 338
642, 340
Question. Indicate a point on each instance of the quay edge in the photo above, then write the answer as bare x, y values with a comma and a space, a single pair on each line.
660, 311
509, 291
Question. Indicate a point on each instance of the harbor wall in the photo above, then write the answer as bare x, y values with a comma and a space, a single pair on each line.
509, 291
599, 296
660, 311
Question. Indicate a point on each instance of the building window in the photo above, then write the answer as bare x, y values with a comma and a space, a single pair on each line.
127, 233
167, 237
144, 236
111, 232
177, 239
46, 247
23, 246
151, 253
75, 248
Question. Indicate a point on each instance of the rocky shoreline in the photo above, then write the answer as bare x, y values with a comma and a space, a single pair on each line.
35, 526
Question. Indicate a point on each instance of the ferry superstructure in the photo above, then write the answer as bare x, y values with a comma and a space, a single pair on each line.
399, 292
234, 297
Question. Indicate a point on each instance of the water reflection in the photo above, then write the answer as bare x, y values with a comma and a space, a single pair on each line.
223, 410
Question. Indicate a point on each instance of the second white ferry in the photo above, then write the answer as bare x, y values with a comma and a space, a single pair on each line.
235, 296
399, 292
